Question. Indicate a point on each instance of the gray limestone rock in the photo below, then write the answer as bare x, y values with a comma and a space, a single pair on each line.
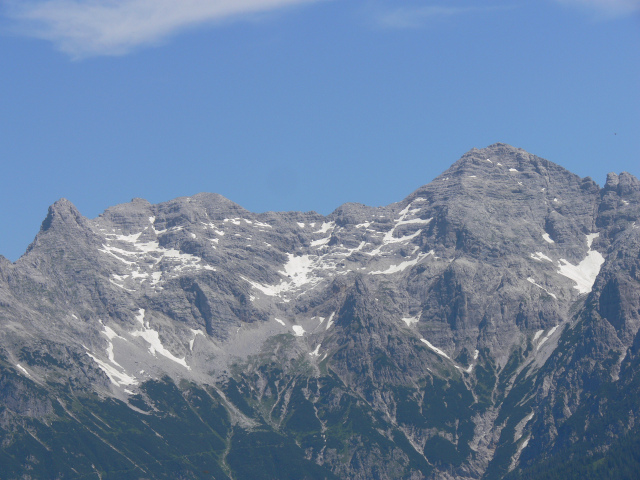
506, 287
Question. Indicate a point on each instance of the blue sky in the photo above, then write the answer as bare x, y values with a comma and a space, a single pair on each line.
300, 104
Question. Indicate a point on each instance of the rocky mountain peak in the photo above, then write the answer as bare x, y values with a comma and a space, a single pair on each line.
612, 181
448, 335
62, 214
625, 184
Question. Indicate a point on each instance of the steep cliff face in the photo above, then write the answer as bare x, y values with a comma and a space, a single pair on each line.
484, 324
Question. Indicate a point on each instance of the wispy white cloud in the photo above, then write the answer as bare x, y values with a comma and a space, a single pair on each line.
609, 8
85, 28
418, 16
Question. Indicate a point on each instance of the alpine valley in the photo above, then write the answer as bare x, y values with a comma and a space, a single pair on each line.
485, 327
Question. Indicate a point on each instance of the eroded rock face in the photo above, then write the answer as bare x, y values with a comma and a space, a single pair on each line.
454, 334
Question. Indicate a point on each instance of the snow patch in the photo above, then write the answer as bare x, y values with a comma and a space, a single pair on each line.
403, 265
325, 227
435, 349
270, 290
388, 236
513, 170
389, 239
111, 334
410, 320
153, 339
195, 334
591, 237
298, 269
24, 370
280, 322
532, 281
118, 253
413, 220
316, 352
469, 369
133, 238
322, 241
330, 321
539, 256
116, 377
547, 238
141, 258
547, 336
298, 331
349, 251
585, 273
298, 272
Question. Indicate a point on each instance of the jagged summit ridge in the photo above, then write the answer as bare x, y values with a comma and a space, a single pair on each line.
471, 284
216, 267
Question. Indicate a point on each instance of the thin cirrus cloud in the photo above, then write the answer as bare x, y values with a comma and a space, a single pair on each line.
84, 28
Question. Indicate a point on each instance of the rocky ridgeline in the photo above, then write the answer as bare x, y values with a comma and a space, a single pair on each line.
454, 334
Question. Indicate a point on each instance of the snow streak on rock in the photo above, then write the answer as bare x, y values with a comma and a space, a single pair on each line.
585, 273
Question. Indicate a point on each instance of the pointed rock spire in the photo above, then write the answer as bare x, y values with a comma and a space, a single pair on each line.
62, 213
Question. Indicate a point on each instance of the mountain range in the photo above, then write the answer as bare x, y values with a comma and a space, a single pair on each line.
484, 327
